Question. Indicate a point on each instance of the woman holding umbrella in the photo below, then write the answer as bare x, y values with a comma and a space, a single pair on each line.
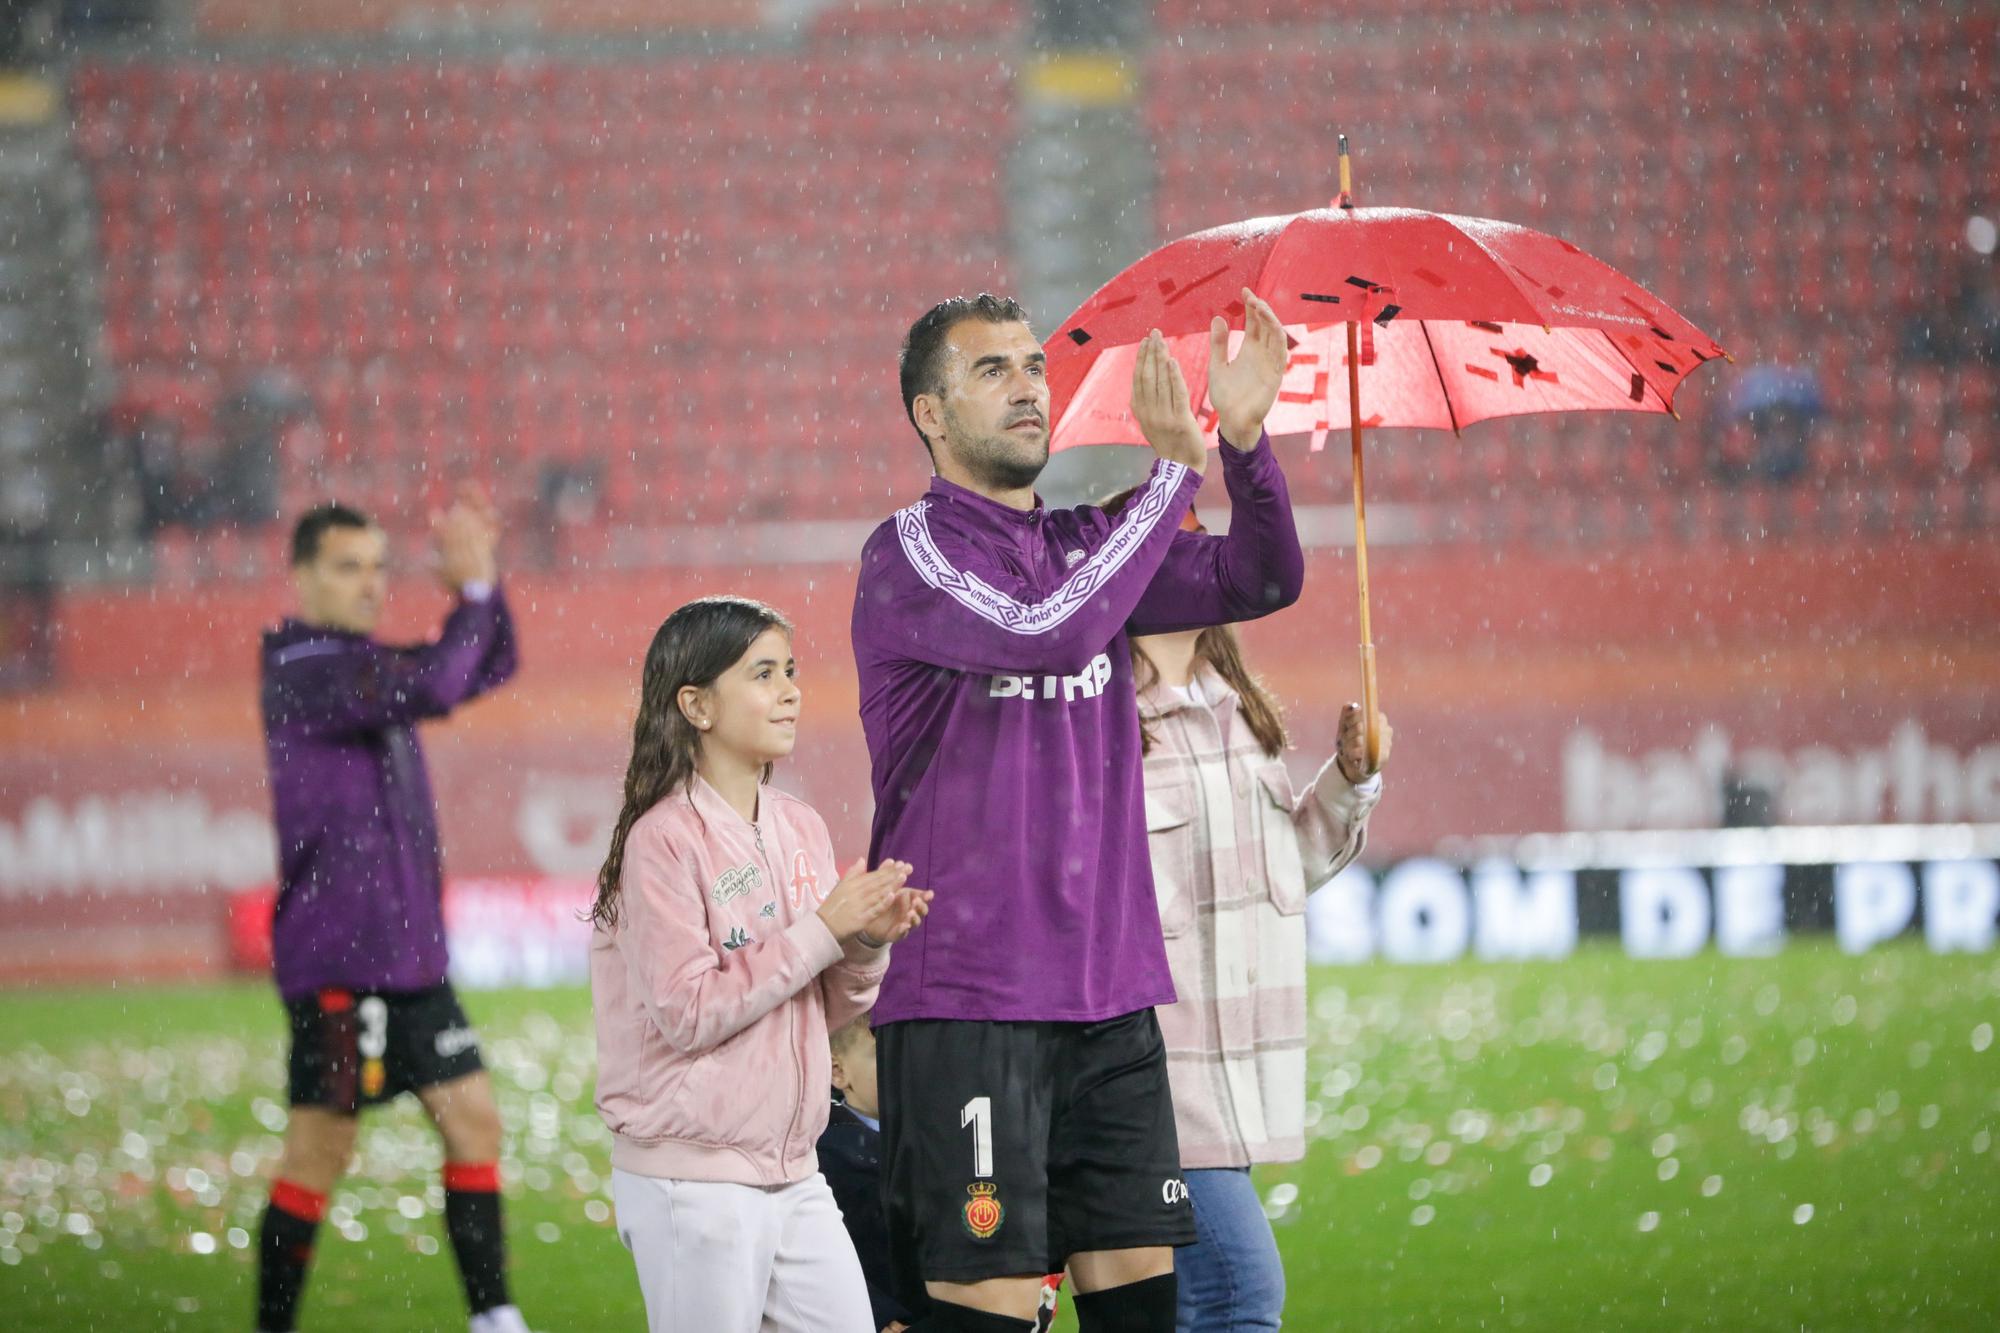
1235, 851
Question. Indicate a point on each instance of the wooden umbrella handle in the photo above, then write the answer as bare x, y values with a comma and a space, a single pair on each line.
1371, 700
1370, 695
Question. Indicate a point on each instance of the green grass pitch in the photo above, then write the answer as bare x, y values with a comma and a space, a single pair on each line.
1797, 1142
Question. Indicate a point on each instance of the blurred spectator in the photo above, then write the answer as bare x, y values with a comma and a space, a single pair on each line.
566, 499
1768, 425
25, 29
1967, 329
145, 448
85, 18
27, 579
168, 471
251, 425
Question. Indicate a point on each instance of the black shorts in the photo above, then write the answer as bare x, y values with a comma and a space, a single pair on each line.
352, 1049
1008, 1147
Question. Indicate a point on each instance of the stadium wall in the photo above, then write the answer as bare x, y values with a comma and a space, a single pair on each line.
1531, 692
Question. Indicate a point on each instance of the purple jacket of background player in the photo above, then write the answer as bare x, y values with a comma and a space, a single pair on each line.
1003, 732
360, 882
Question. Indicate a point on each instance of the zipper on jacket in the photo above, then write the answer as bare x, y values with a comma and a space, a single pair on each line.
791, 1021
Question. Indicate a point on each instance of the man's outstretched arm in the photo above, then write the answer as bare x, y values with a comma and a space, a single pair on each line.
1258, 568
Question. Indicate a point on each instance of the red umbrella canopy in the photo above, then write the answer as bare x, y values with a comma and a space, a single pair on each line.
1460, 319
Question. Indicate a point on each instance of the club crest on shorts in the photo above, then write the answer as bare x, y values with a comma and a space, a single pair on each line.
983, 1213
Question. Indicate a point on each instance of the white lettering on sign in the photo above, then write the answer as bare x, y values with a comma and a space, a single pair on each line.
1428, 911
1908, 780
134, 842
1750, 910
1517, 918
1663, 912
1872, 901
1961, 903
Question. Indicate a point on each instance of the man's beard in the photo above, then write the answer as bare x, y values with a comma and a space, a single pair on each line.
995, 460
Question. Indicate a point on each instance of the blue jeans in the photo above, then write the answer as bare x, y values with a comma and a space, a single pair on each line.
1231, 1280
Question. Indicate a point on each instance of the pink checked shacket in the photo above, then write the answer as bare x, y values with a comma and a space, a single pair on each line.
1235, 852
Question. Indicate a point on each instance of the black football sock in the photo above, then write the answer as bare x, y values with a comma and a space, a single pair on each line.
472, 1220
284, 1253
1137, 1307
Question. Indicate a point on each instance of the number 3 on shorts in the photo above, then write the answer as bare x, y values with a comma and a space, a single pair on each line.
979, 1114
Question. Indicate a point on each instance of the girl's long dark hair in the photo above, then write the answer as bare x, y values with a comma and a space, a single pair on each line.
1219, 647
694, 646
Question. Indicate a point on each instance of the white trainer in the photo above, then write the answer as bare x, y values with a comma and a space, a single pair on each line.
500, 1319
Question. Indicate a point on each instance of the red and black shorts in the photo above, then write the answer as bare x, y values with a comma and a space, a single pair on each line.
1008, 1147
352, 1049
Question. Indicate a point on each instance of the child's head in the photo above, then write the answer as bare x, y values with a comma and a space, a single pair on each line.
854, 1067
719, 680
721, 672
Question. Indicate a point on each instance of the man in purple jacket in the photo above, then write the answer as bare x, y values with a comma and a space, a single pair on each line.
358, 940
1027, 1123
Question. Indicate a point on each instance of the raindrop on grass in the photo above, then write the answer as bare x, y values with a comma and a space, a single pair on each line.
1421, 1216
1649, 1221
1982, 1036
1540, 1176
201, 1243
1711, 1187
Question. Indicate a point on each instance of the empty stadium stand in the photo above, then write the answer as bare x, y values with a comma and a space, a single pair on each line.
675, 284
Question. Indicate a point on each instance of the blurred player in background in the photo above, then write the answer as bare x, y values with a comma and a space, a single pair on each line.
358, 940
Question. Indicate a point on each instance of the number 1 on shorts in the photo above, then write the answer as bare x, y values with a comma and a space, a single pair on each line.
979, 1114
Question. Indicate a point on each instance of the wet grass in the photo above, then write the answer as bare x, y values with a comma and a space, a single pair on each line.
1803, 1141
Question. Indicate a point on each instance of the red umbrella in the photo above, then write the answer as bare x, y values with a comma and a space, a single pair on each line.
1397, 317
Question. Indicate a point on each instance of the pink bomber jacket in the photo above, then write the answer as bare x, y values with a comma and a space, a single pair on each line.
715, 990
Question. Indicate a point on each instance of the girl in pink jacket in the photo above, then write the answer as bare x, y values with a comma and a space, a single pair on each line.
723, 951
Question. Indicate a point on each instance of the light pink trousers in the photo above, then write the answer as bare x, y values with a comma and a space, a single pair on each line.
718, 1258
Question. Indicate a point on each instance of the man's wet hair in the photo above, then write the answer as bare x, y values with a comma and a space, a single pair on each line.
313, 524
923, 348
